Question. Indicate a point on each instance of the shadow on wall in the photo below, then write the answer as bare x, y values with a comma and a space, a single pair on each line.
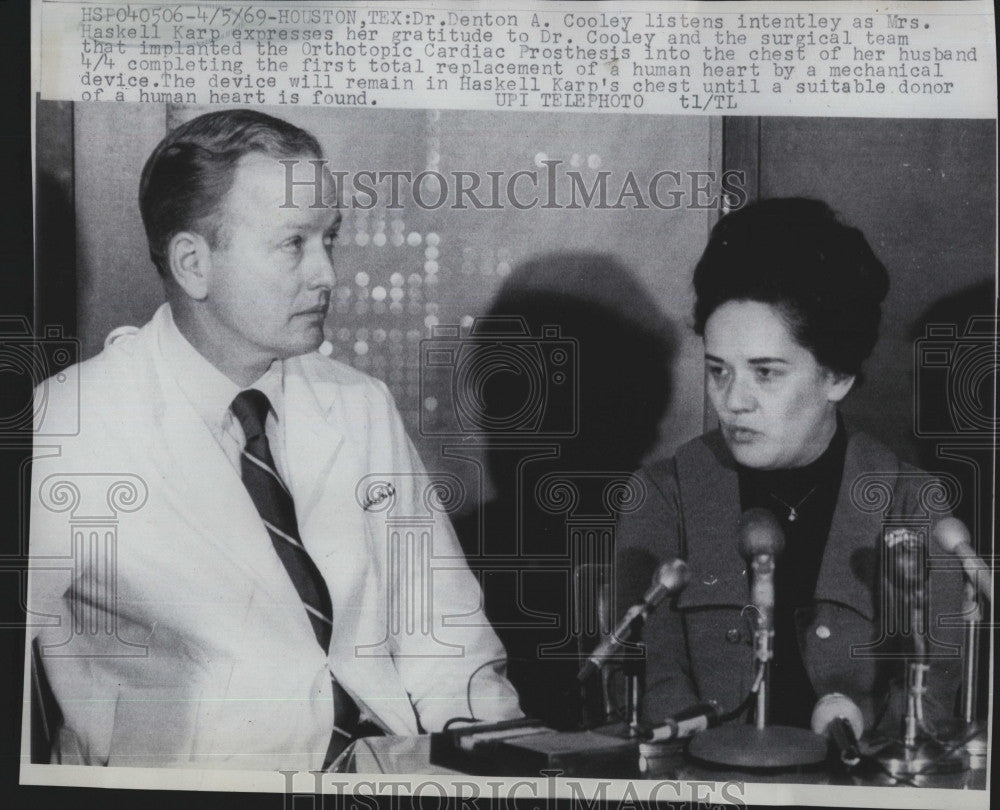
555, 508
955, 382
955, 418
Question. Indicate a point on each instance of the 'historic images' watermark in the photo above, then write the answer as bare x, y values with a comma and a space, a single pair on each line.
550, 185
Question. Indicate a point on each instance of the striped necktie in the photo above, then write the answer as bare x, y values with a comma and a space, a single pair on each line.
276, 508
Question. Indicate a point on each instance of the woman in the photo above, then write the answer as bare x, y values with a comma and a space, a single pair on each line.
788, 301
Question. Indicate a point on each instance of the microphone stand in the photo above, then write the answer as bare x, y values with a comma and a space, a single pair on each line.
760, 745
763, 642
973, 731
632, 669
920, 752
954, 537
970, 663
670, 579
760, 688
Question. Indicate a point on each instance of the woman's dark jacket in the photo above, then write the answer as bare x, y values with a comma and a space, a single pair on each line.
853, 640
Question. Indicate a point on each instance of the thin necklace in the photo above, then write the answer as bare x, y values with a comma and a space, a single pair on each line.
793, 511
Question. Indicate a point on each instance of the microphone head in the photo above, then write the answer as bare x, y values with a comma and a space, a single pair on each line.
673, 576
670, 579
760, 533
834, 706
907, 555
953, 536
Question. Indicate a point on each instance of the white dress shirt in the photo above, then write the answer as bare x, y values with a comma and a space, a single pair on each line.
211, 393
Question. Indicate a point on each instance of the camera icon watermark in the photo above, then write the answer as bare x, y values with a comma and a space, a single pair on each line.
499, 380
955, 377
49, 363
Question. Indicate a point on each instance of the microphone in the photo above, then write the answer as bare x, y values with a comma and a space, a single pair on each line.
919, 751
907, 550
907, 557
761, 540
838, 718
670, 579
688, 722
907, 553
953, 536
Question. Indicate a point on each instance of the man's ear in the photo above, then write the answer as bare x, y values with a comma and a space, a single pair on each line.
190, 260
838, 385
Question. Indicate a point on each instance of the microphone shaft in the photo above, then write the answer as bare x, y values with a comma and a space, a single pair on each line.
619, 637
670, 578
762, 596
971, 671
919, 630
763, 697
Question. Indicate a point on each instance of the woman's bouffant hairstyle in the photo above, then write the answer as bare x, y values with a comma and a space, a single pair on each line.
794, 254
190, 172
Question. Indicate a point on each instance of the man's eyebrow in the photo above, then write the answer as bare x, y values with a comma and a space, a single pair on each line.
754, 361
295, 226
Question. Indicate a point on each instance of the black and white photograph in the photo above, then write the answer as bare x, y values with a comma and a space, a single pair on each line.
601, 452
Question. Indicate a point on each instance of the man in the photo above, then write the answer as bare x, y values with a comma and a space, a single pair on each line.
244, 608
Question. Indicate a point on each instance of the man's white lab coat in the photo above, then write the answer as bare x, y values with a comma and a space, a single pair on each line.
170, 631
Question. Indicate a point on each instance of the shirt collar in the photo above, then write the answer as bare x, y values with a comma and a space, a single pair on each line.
208, 390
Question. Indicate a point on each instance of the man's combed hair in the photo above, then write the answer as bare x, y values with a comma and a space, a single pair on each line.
795, 254
190, 172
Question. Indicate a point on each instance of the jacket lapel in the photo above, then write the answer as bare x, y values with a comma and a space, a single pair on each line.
322, 477
208, 492
849, 569
710, 504
312, 439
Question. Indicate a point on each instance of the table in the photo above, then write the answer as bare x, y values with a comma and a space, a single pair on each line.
395, 755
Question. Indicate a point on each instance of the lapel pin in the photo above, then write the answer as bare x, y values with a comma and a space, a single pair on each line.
378, 495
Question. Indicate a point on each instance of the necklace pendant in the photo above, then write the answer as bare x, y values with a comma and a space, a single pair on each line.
792, 515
